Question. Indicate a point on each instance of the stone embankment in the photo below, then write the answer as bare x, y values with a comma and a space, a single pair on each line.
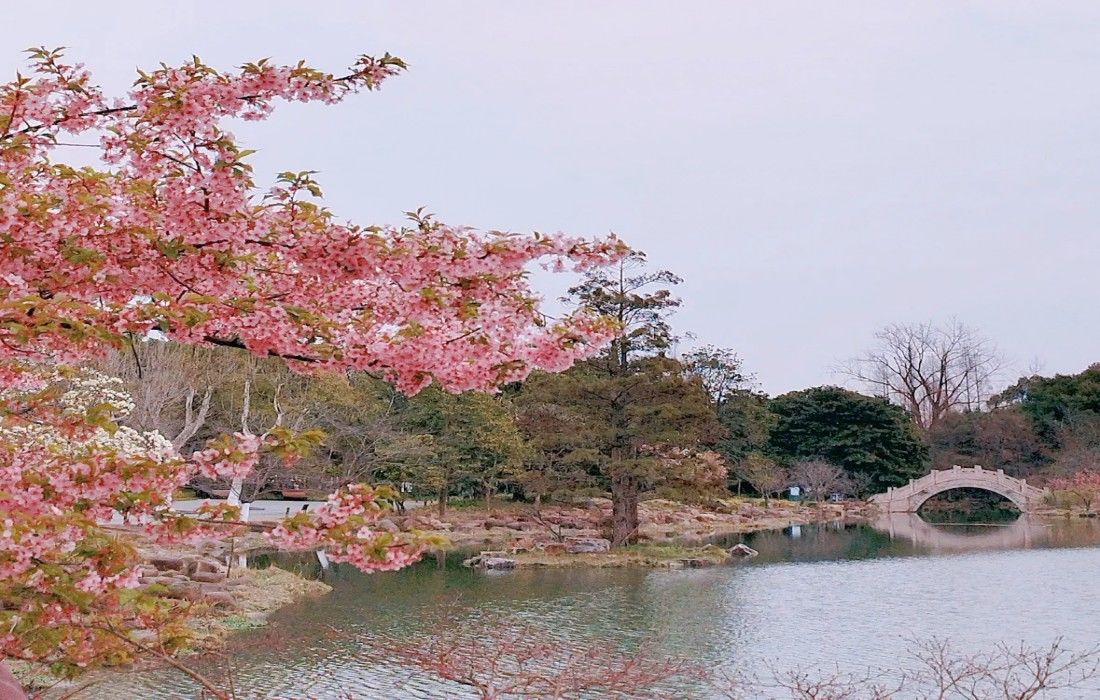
210, 574
200, 572
668, 556
194, 578
224, 598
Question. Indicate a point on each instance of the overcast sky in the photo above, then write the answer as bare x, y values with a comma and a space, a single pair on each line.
812, 170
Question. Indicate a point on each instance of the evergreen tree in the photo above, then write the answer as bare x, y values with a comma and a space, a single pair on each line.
475, 443
868, 437
635, 401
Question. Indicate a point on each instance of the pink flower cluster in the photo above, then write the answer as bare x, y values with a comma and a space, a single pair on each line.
346, 529
231, 459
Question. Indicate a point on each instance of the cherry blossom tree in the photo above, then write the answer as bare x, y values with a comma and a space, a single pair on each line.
168, 232
1083, 485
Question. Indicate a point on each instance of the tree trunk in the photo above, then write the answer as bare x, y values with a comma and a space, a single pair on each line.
488, 497
624, 509
443, 496
235, 489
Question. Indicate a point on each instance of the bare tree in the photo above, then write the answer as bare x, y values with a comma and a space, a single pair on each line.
938, 670
820, 478
765, 475
503, 660
862, 484
1010, 672
720, 370
171, 385
929, 370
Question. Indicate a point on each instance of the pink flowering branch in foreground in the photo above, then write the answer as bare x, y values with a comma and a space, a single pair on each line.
169, 233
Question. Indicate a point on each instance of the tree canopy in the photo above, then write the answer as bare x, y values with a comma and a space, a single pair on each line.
1056, 403
868, 437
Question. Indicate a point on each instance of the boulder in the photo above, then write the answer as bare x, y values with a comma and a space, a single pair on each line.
168, 563
743, 551
387, 525
185, 591
576, 523
490, 560
162, 580
720, 507
553, 547
587, 545
207, 577
695, 563
207, 566
221, 599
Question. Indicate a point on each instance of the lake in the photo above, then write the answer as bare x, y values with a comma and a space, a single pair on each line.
828, 595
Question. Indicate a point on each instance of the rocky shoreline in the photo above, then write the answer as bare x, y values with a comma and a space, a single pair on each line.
212, 574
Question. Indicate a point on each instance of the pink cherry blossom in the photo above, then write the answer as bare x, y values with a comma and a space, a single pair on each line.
170, 232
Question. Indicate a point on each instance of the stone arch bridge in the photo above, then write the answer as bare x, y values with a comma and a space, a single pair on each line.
909, 498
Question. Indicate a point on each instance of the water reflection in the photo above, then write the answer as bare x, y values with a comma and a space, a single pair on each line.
1025, 532
1021, 533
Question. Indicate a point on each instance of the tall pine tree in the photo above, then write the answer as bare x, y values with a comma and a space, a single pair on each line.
635, 400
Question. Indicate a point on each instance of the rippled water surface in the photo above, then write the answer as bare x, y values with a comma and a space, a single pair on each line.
851, 597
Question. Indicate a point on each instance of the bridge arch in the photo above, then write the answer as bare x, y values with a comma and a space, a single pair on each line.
1007, 494
909, 498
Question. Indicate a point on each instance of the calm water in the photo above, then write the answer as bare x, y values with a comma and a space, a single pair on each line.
827, 595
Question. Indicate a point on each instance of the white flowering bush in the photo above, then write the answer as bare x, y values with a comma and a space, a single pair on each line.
78, 393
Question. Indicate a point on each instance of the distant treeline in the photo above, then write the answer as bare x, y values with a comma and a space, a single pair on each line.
633, 420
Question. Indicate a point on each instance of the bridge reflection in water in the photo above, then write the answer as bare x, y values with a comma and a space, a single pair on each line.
1022, 533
